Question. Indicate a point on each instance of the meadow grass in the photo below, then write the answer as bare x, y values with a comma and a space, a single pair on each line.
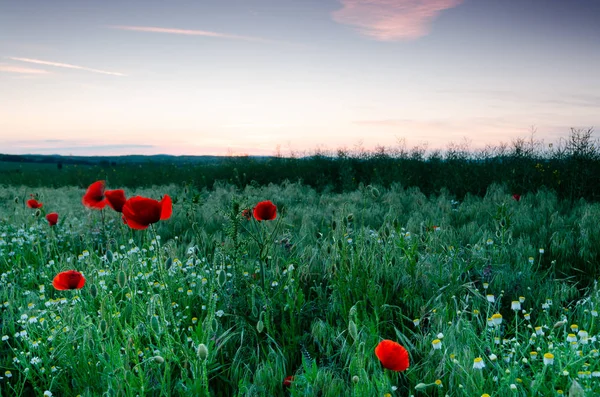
183, 308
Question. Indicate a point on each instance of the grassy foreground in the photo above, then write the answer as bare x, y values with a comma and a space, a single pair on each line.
489, 295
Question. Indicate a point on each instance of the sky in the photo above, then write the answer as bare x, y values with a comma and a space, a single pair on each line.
260, 77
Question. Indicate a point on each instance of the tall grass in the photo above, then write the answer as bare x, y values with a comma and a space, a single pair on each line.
182, 310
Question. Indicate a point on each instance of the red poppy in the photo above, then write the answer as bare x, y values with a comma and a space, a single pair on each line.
517, 197
33, 203
265, 211
247, 214
392, 355
287, 382
71, 279
115, 199
52, 218
140, 212
94, 196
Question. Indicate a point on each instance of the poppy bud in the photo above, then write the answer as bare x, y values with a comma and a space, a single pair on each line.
202, 351
260, 326
103, 326
375, 193
169, 263
155, 324
93, 290
38, 213
333, 225
352, 330
319, 235
16, 200
222, 278
158, 359
350, 217
122, 279
109, 256
355, 379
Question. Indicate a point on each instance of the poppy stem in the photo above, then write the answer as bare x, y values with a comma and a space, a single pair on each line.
105, 240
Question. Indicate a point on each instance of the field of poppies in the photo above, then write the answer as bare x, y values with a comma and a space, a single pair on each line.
284, 291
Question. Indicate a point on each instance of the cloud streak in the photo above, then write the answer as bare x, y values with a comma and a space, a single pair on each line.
20, 70
189, 32
65, 65
392, 20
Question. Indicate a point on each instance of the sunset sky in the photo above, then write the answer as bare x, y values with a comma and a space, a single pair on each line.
197, 77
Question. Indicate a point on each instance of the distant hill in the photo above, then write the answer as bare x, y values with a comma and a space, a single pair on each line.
111, 160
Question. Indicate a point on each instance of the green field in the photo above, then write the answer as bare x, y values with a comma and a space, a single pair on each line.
210, 303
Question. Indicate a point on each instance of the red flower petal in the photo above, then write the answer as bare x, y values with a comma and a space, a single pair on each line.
140, 212
287, 382
116, 199
71, 279
52, 218
392, 355
34, 204
94, 196
265, 211
166, 207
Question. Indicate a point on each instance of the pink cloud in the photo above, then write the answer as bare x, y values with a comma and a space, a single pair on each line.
188, 32
64, 65
391, 20
20, 70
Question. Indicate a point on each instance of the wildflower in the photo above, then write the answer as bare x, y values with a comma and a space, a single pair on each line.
52, 218
94, 196
219, 313
515, 305
71, 279
8, 374
486, 285
527, 316
516, 197
548, 359
513, 386
116, 199
491, 298
265, 211
541, 251
531, 260
34, 204
247, 214
47, 393
533, 355
493, 357
497, 318
539, 331
478, 363
571, 338
287, 382
139, 212
437, 344
438, 382
392, 355
416, 322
